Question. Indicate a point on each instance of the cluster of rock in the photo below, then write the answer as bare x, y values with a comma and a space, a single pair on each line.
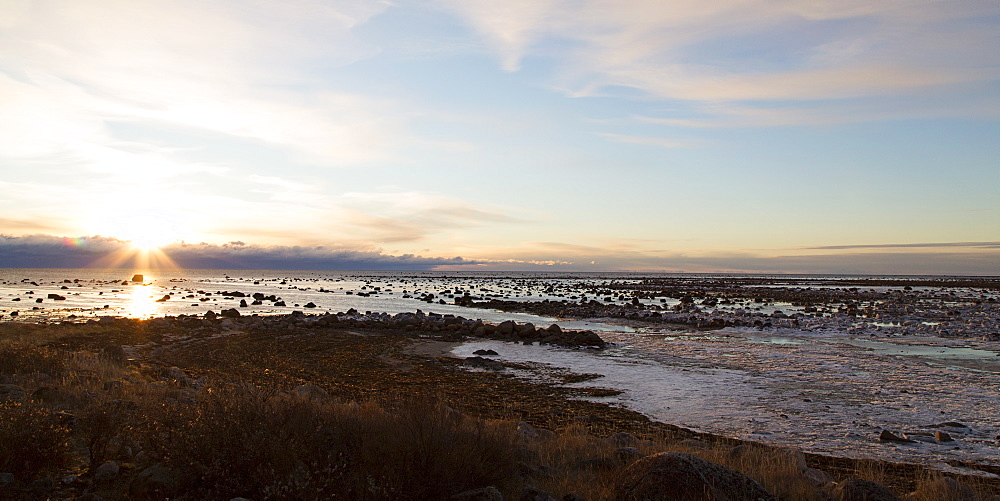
973, 320
449, 327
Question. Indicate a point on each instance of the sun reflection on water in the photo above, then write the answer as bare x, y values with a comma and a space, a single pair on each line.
142, 302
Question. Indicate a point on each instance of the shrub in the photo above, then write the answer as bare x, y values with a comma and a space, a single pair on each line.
240, 441
33, 441
18, 357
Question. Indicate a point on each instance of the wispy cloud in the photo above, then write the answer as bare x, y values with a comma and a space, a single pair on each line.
735, 51
660, 142
970, 245
243, 70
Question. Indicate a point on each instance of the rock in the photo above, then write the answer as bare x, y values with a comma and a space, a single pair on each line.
13, 393
676, 476
310, 391
943, 436
137, 278
533, 494
572, 497
113, 385
949, 424
243, 303
114, 354
623, 439
165, 298
818, 477
231, 313
943, 488
484, 363
310, 304
888, 436
485, 353
158, 482
485, 494
529, 433
107, 472
211, 315
554, 329
792, 456
626, 455
42, 486
177, 374
6, 479
856, 489
506, 327
597, 464
47, 394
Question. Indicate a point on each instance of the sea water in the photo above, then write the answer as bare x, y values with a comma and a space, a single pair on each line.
827, 390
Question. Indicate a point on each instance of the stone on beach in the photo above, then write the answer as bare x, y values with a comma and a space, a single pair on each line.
676, 476
856, 489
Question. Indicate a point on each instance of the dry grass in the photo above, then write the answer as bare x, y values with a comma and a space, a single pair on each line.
33, 439
244, 441
229, 437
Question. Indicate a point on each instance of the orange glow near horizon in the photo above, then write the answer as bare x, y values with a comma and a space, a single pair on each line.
141, 258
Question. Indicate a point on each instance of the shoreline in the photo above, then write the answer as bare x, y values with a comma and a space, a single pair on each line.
187, 342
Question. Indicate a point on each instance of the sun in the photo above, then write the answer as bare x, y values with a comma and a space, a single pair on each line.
148, 241
140, 227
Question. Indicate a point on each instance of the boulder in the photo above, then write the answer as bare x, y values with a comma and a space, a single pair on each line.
943, 488
888, 436
676, 476
12, 392
158, 482
107, 472
943, 436
526, 330
528, 433
533, 494
626, 455
623, 439
137, 278
485, 494
485, 353
114, 354
310, 391
856, 489
484, 363
231, 313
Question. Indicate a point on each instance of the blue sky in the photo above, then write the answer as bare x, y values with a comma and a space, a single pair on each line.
777, 136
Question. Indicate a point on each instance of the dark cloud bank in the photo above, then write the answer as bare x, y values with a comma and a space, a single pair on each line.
46, 251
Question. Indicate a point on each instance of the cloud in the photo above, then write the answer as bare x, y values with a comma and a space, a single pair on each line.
47, 251
249, 71
971, 245
969, 258
660, 142
727, 52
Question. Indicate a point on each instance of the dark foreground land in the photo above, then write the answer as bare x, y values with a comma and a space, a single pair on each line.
293, 408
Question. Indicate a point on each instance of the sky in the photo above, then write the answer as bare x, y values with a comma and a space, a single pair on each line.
777, 136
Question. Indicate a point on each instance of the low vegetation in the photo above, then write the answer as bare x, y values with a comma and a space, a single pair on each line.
89, 419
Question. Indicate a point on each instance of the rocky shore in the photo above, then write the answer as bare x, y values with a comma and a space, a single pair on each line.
966, 309
123, 370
